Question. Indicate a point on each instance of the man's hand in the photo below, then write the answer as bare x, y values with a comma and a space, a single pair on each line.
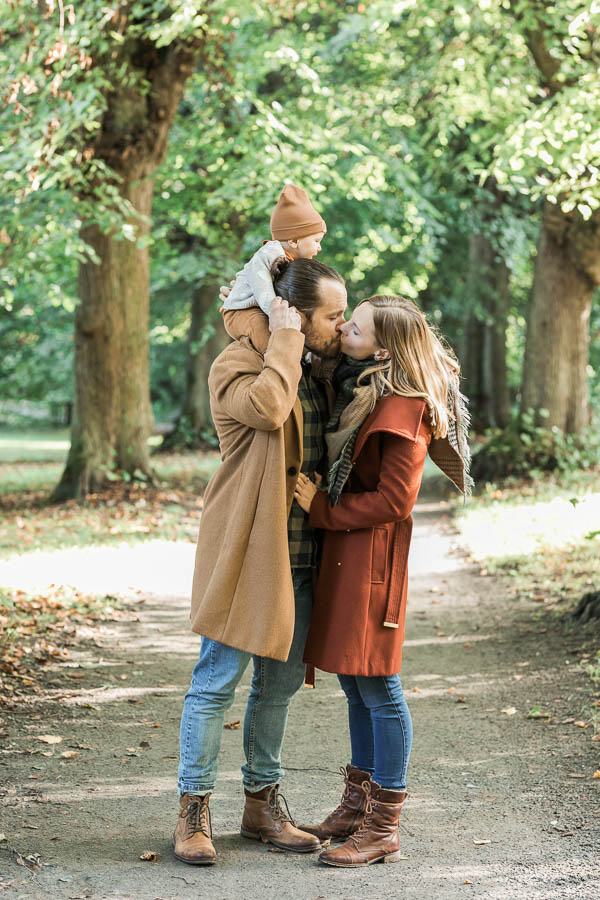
283, 315
225, 291
305, 491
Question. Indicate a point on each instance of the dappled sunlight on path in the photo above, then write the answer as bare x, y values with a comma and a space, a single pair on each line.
164, 567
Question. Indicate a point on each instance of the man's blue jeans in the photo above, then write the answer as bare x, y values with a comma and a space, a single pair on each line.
380, 727
212, 692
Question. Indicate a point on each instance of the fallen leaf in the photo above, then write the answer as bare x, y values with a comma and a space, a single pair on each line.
415, 690
596, 774
517, 677
232, 725
33, 861
451, 690
575, 775
150, 855
509, 710
50, 738
481, 843
536, 713
581, 724
567, 721
75, 675
466, 881
468, 645
69, 754
596, 737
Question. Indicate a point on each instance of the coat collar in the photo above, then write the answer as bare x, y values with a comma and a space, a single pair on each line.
396, 415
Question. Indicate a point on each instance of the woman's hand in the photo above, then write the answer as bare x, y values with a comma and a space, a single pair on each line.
305, 491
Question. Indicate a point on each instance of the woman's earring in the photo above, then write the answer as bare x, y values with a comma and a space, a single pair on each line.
380, 355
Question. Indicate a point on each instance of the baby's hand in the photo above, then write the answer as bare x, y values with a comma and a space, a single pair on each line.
282, 315
225, 291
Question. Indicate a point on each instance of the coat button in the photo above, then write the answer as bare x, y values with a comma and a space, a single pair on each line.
292, 471
339, 564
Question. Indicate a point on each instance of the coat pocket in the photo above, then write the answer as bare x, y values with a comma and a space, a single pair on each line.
379, 554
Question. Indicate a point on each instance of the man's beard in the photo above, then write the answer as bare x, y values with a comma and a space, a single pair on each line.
325, 348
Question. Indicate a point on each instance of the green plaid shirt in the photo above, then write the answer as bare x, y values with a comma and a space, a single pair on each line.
315, 412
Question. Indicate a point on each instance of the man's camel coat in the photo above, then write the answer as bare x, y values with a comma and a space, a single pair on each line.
242, 593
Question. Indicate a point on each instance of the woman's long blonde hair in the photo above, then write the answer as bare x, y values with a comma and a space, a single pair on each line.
420, 364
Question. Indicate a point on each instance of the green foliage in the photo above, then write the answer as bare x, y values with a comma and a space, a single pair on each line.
525, 449
402, 120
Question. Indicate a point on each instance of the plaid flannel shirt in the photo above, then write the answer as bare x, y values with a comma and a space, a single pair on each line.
315, 412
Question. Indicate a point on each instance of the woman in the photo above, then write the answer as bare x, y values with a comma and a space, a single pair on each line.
403, 385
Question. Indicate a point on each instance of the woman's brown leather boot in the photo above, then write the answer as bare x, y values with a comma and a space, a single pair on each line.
378, 839
349, 815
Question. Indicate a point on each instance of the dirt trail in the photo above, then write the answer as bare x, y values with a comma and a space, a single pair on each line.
479, 771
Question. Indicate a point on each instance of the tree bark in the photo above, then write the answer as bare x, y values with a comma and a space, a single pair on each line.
112, 417
207, 337
567, 270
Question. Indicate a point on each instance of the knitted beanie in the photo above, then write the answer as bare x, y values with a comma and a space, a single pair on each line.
295, 216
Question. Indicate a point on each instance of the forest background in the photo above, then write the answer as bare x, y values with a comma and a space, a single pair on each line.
454, 151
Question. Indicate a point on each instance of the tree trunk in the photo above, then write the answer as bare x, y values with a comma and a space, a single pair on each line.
567, 270
484, 335
113, 418
207, 337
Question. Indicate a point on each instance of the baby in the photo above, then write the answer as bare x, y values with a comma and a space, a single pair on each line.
297, 230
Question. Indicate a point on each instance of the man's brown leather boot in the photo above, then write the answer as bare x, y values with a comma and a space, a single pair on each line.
378, 839
266, 820
349, 815
193, 833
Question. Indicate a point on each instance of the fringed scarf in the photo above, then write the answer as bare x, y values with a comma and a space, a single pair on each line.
351, 408
354, 404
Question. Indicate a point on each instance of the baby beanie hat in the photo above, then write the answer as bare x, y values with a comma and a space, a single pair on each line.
295, 216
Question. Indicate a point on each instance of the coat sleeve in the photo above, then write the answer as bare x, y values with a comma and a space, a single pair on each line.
260, 398
402, 462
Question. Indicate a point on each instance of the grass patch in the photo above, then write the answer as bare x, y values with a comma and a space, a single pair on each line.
170, 509
544, 534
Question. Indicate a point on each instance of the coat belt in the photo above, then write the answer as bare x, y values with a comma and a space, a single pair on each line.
399, 560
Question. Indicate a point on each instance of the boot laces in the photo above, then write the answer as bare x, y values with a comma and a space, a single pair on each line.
197, 816
276, 809
359, 833
341, 805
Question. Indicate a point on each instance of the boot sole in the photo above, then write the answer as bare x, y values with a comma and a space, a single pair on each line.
257, 836
195, 862
389, 858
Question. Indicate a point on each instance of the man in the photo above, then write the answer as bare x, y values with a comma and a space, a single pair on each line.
252, 591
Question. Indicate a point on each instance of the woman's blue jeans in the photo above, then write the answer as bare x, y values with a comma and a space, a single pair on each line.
380, 727
212, 692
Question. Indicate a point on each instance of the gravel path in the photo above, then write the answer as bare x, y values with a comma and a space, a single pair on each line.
500, 805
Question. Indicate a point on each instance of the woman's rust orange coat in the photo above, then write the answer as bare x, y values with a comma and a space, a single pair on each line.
363, 576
